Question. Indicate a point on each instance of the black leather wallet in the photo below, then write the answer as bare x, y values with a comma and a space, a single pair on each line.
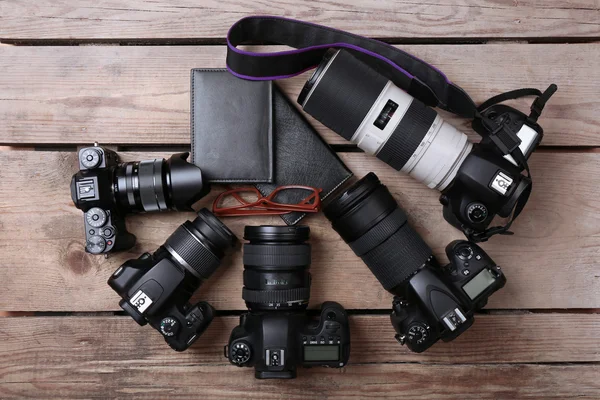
301, 157
231, 127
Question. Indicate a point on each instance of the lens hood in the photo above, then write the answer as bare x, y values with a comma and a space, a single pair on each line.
185, 181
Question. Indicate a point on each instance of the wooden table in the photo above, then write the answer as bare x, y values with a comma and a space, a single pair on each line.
72, 73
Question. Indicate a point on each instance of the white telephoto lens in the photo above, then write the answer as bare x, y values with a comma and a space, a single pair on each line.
437, 157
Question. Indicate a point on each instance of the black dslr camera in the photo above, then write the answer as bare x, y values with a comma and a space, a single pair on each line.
431, 303
276, 335
439, 302
106, 190
156, 287
476, 181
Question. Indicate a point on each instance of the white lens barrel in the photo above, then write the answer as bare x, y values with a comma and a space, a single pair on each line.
437, 157
363, 106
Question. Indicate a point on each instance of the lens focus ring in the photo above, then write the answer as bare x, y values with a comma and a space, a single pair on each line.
408, 135
192, 253
379, 233
282, 256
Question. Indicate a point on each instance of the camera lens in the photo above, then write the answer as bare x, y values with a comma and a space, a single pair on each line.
363, 106
158, 185
276, 263
199, 245
368, 218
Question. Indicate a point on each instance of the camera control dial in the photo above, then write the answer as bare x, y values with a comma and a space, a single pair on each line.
169, 326
91, 158
240, 353
95, 217
418, 333
95, 244
477, 213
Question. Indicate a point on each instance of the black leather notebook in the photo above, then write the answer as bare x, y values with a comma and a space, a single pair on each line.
301, 157
231, 127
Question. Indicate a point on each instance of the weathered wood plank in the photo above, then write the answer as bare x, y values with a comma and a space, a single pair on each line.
109, 357
211, 19
551, 262
141, 94
493, 339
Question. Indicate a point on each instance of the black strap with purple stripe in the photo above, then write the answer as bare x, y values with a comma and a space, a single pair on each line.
311, 41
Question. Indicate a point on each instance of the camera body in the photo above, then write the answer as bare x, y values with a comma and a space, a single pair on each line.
439, 303
106, 190
92, 192
489, 183
476, 181
156, 290
276, 342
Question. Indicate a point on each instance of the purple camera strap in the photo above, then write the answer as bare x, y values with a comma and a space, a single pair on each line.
421, 80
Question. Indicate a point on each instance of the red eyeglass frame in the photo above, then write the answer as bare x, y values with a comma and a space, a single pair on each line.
265, 205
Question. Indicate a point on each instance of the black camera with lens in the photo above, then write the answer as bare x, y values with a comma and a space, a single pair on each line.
106, 190
476, 181
431, 302
156, 288
276, 334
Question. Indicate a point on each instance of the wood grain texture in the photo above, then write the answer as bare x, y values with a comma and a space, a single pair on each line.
112, 357
493, 339
141, 94
551, 262
46, 19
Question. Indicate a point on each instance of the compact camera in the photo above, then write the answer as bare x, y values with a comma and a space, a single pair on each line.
276, 334
431, 303
156, 288
477, 181
106, 190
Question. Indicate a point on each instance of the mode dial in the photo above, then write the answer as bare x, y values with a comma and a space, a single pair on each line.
169, 326
418, 333
240, 353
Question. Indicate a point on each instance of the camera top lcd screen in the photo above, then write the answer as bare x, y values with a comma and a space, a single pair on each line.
322, 353
479, 283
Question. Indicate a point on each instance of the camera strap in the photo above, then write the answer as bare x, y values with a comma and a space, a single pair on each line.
413, 75
418, 78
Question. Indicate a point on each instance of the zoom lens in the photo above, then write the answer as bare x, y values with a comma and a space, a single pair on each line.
276, 263
199, 245
366, 108
159, 185
368, 218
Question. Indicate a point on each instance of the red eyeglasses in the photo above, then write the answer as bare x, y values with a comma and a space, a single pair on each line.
249, 201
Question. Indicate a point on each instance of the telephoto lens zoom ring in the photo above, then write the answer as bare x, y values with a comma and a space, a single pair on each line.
193, 252
301, 294
408, 135
398, 258
282, 256
379, 233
